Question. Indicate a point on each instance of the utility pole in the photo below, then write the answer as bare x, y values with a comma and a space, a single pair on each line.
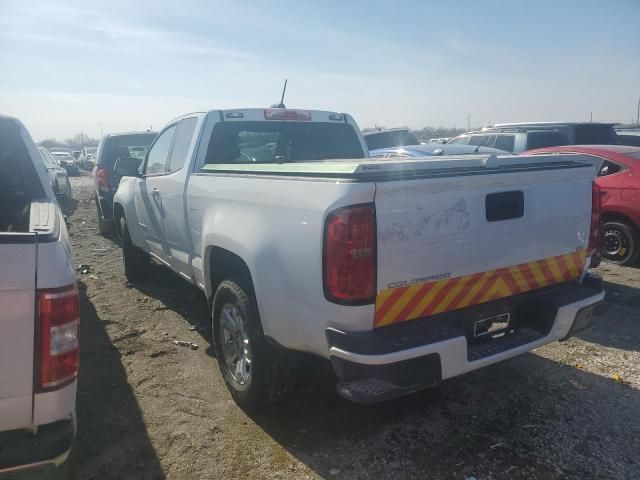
468, 122
100, 125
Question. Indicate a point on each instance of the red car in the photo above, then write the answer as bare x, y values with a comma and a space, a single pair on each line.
618, 170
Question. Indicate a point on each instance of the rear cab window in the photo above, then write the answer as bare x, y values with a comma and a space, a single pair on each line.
252, 142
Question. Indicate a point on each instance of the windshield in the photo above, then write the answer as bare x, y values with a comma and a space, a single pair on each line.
394, 138
48, 161
122, 146
63, 156
461, 140
276, 142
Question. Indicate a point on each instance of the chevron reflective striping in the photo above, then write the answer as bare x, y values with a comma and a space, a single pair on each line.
421, 300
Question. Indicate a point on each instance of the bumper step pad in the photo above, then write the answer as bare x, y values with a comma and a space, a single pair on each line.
477, 351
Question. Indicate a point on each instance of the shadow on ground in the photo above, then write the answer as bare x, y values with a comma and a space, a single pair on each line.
617, 320
529, 416
108, 413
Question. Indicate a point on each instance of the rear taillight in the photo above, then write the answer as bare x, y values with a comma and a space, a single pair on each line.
102, 179
57, 340
594, 233
350, 255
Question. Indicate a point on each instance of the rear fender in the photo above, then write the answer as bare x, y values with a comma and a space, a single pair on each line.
123, 198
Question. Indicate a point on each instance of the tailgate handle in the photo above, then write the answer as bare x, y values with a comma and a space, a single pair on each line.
504, 206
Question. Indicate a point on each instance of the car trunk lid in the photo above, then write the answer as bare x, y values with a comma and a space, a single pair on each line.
18, 257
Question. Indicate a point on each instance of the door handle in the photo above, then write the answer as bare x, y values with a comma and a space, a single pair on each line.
155, 193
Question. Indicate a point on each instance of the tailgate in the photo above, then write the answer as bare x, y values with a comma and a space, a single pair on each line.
462, 238
17, 314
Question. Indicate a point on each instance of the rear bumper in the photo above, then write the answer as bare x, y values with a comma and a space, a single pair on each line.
388, 362
21, 449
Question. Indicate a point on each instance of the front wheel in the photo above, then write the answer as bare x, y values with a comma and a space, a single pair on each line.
620, 243
256, 372
136, 260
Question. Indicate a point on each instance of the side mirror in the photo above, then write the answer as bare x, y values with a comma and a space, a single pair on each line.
127, 166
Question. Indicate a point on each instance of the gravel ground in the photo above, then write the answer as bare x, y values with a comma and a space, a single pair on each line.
148, 409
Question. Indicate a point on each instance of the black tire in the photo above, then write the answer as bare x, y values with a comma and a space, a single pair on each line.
620, 243
104, 226
273, 372
136, 261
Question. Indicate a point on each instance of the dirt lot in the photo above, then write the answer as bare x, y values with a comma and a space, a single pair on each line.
149, 409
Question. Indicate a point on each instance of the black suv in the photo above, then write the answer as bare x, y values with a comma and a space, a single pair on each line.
105, 180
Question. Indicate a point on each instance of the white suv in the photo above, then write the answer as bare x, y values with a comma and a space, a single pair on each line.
39, 311
520, 137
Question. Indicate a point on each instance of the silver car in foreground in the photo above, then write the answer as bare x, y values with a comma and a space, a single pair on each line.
39, 311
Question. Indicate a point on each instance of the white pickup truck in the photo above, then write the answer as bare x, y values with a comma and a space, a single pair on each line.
39, 311
401, 272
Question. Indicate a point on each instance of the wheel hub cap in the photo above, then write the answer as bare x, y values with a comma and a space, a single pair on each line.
236, 349
615, 243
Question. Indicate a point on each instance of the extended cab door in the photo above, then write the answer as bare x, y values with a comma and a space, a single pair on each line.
176, 228
148, 193
17, 326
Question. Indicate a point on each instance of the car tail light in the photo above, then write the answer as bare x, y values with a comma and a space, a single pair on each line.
57, 339
102, 179
350, 255
285, 114
594, 233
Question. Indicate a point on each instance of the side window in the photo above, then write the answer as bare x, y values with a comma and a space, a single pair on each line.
609, 168
157, 158
505, 142
181, 144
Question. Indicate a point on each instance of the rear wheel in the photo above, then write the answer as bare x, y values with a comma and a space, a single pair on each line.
136, 260
104, 226
256, 372
620, 243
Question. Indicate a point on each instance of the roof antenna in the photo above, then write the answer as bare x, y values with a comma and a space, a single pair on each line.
281, 104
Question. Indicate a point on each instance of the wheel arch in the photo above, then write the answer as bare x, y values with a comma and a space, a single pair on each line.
222, 264
118, 212
619, 217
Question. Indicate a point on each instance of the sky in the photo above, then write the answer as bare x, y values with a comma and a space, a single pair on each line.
115, 65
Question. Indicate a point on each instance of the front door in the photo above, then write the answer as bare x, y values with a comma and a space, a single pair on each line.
148, 194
